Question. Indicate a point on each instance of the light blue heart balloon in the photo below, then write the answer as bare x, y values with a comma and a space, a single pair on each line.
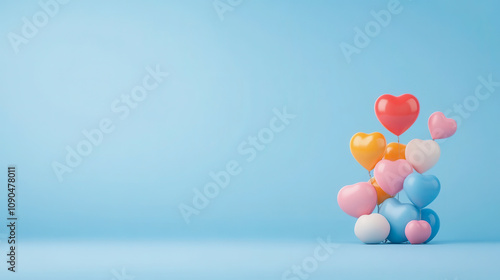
432, 218
398, 215
421, 189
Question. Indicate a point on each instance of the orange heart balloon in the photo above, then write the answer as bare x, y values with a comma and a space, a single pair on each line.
381, 195
395, 151
368, 149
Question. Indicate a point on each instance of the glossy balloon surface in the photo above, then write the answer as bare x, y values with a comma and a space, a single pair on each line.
421, 189
381, 195
422, 154
372, 229
358, 199
368, 149
397, 113
440, 126
395, 151
390, 175
433, 219
417, 231
398, 215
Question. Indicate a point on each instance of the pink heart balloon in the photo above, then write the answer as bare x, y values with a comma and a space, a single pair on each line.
418, 232
440, 126
390, 175
358, 199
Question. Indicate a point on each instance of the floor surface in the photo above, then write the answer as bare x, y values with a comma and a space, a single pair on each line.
253, 260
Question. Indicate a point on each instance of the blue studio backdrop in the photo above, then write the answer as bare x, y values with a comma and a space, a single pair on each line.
230, 120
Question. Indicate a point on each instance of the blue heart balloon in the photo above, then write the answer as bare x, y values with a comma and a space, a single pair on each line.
432, 218
421, 189
398, 215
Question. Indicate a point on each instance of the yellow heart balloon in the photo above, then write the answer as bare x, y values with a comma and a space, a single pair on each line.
395, 151
368, 149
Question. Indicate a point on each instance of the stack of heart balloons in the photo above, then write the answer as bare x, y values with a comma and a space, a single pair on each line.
396, 167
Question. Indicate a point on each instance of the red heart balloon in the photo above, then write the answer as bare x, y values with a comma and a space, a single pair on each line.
397, 113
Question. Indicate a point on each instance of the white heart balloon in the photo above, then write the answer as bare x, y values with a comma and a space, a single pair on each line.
373, 228
422, 154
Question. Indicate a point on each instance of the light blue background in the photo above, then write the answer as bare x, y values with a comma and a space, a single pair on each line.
225, 79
